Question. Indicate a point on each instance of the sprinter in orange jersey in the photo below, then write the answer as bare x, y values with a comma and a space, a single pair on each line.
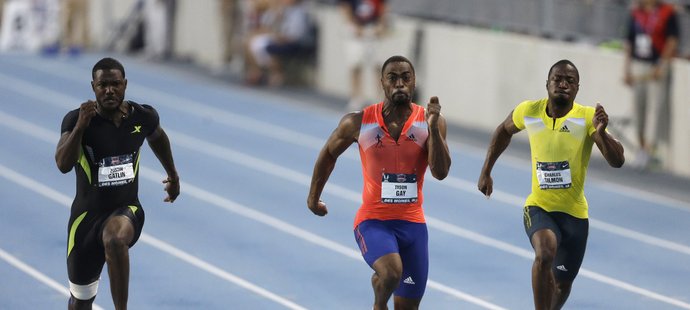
397, 141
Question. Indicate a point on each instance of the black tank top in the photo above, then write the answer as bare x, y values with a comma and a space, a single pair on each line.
107, 169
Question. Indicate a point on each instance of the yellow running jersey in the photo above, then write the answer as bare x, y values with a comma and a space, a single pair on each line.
560, 155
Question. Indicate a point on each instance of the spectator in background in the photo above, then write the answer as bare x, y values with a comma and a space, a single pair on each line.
258, 16
366, 25
230, 24
652, 41
159, 21
75, 26
284, 30
2, 6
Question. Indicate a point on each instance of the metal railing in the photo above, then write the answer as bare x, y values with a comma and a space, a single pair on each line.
591, 21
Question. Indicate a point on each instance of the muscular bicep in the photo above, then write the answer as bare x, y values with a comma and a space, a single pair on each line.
66, 155
155, 134
509, 126
344, 135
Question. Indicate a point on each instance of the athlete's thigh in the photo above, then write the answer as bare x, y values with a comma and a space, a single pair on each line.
413, 240
135, 216
536, 219
85, 253
375, 239
571, 250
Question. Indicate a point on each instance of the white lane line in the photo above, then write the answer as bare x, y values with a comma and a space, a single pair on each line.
297, 177
517, 201
271, 168
245, 160
45, 135
227, 154
218, 272
68, 72
293, 137
66, 201
306, 235
34, 273
607, 227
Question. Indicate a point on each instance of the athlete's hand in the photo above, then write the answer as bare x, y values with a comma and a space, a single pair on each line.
485, 184
172, 187
601, 119
319, 208
87, 110
433, 110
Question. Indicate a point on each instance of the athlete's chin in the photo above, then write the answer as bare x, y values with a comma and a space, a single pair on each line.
561, 101
400, 99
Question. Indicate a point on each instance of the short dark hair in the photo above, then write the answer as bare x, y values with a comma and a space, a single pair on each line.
563, 62
396, 58
107, 63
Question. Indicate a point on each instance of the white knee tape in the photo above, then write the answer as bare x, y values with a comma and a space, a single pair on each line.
83, 292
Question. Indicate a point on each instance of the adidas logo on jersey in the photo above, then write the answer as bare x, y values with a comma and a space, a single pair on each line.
408, 280
564, 129
561, 268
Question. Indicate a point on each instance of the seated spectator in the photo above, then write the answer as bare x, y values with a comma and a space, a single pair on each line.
75, 26
285, 33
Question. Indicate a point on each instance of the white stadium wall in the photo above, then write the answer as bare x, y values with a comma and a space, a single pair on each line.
479, 75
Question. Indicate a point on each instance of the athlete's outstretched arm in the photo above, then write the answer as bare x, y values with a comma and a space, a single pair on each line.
342, 137
69, 147
611, 148
160, 145
439, 155
499, 142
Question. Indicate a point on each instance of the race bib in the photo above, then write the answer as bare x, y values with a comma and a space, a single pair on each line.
643, 45
116, 170
554, 175
398, 188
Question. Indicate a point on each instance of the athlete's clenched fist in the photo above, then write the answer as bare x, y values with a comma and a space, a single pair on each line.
433, 110
87, 110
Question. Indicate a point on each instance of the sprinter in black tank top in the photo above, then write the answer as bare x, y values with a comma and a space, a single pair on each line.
101, 140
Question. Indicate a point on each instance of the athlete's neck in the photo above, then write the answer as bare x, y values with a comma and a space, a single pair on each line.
558, 111
115, 115
396, 111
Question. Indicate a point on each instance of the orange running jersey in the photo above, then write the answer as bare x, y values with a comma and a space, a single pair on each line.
393, 171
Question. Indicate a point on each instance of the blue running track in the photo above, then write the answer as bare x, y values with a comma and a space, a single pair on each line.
240, 235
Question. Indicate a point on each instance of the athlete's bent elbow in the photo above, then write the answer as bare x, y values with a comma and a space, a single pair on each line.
617, 163
64, 168
439, 175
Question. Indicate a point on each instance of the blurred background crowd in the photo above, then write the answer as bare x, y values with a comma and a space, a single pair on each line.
478, 56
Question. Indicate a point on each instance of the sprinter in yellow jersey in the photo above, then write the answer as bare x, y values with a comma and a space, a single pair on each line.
561, 134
